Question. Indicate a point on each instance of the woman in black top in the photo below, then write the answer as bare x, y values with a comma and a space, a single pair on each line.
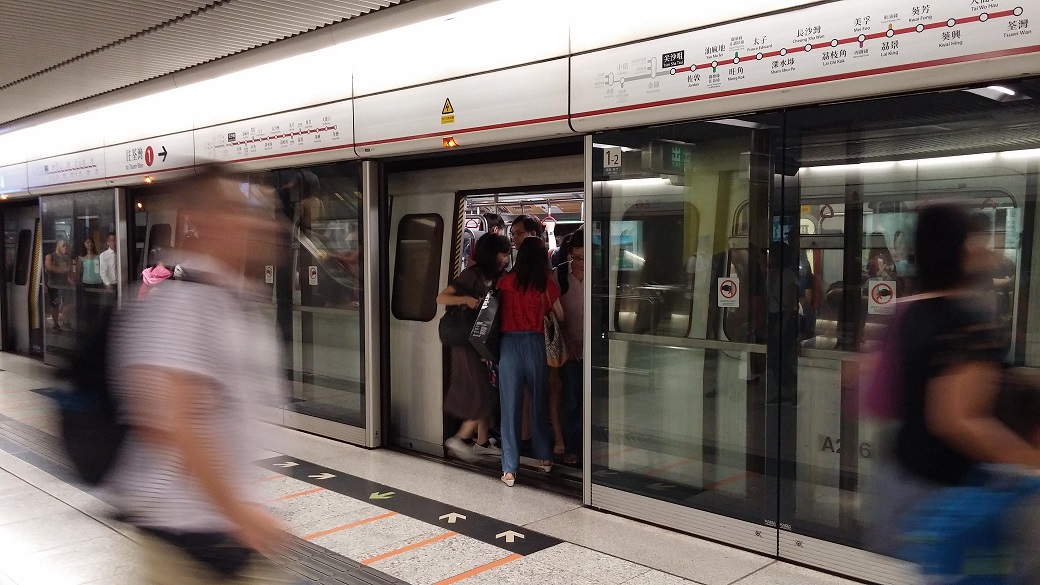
949, 377
470, 397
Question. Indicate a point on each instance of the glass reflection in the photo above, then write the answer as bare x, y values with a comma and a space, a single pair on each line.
324, 287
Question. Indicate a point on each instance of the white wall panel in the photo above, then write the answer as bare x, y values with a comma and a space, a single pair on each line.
14, 179
504, 106
69, 172
72, 134
305, 80
493, 36
166, 112
603, 23
13, 147
130, 162
321, 133
816, 54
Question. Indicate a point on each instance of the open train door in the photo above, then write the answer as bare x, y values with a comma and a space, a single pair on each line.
421, 236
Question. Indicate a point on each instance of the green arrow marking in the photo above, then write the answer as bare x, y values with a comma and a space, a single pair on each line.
379, 496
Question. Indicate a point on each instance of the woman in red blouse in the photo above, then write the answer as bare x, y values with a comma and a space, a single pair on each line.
527, 295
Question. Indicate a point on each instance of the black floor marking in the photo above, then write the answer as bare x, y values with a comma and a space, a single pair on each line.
478, 526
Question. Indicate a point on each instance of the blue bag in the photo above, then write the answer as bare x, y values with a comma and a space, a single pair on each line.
963, 534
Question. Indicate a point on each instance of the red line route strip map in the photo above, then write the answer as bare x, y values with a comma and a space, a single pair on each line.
812, 45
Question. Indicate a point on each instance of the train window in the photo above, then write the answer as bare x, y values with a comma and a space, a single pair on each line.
654, 276
21, 269
417, 267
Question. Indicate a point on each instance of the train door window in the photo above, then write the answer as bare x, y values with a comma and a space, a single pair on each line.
679, 229
417, 268
74, 231
320, 291
864, 171
24, 257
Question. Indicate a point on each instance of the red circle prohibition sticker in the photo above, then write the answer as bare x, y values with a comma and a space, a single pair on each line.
882, 293
728, 289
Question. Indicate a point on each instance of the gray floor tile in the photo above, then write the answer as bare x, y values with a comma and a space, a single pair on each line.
375, 538
658, 578
11, 485
672, 552
780, 573
26, 506
593, 566
441, 560
320, 511
75, 564
525, 571
53, 531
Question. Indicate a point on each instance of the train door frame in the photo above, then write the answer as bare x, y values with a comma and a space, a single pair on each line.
8, 342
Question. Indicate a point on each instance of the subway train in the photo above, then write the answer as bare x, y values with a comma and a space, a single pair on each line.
747, 180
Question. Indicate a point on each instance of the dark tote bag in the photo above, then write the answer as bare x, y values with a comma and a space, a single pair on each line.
486, 332
456, 325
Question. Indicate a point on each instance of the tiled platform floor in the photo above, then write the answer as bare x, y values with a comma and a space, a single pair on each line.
52, 533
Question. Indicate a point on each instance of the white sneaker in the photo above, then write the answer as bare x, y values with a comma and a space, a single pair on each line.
490, 451
461, 450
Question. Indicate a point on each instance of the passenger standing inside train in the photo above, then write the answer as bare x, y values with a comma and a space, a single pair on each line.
189, 364
528, 294
109, 276
495, 226
573, 301
58, 267
88, 266
947, 379
470, 396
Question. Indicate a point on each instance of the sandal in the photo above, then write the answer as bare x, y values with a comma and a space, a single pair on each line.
545, 466
559, 450
509, 479
570, 459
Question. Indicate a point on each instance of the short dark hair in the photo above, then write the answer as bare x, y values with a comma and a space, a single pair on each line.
488, 247
111, 235
494, 220
942, 229
530, 224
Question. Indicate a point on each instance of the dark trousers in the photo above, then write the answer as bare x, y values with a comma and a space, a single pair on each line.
573, 413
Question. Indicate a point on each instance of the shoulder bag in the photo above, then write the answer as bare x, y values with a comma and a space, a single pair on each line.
555, 350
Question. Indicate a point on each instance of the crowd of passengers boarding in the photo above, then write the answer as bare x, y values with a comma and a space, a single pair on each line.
534, 394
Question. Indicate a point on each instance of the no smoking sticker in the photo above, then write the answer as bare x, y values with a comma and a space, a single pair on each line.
729, 292
882, 297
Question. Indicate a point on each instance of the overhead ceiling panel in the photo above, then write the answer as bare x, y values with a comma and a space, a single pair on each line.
55, 52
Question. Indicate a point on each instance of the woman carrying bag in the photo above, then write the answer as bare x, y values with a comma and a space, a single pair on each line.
528, 294
470, 396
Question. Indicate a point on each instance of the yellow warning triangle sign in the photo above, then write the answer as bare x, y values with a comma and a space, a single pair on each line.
447, 109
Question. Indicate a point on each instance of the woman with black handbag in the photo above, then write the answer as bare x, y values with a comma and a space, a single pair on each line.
470, 396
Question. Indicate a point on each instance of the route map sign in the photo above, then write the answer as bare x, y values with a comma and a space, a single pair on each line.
813, 45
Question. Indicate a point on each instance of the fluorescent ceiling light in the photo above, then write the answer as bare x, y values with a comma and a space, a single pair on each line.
606, 146
1001, 89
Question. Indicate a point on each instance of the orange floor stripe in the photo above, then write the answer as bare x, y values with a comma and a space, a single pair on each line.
414, 546
296, 495
727, 481
479, 570
347, 526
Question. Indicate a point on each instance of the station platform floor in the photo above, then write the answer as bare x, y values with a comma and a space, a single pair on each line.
358, 517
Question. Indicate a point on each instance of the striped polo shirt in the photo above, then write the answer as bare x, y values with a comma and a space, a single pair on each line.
210, 332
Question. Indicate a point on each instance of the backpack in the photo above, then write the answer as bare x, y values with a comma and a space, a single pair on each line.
91, 432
